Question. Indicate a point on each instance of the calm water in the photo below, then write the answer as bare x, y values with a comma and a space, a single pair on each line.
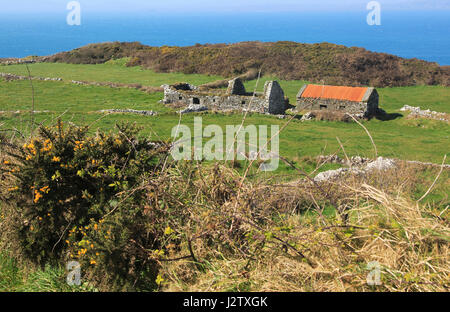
423, 35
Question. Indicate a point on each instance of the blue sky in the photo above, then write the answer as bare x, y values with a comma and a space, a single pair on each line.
143, 6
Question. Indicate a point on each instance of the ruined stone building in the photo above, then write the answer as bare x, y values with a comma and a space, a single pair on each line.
272, 100
352, 100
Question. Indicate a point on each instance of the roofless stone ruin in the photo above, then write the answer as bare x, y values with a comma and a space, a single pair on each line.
271, 101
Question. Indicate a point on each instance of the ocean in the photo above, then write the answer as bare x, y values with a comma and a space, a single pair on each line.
411, 34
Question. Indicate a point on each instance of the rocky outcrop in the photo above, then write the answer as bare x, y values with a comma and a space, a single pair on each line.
359, 166
417, 112
380, 164
194, 109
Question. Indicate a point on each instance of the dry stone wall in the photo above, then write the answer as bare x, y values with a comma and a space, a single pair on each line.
272, 101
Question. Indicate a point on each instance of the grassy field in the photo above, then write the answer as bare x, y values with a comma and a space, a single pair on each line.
423, 140
427, 97
60, 96
108, 72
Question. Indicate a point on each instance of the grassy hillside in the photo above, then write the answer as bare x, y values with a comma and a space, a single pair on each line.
330, 63
109, 72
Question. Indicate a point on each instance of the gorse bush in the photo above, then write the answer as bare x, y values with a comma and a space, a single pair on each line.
64, 183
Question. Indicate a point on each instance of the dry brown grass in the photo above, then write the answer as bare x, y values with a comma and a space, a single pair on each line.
376, 220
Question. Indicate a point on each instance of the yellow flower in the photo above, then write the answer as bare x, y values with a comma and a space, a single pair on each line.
93, 262
56, 159
6, 162
37, 196
168, 231
159, 280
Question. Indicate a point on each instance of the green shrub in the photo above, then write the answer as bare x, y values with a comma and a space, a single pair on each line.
66, 183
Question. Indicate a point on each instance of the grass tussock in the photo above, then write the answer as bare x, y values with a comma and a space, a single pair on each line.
195, 226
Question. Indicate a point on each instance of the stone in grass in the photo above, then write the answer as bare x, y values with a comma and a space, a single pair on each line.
194, 108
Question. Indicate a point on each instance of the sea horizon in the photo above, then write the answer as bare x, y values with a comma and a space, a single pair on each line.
409, 34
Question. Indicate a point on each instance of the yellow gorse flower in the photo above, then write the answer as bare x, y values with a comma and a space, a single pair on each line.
159, 280
78, 145
37, 196
168, 231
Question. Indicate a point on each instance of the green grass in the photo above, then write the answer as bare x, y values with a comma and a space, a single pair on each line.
436, 98
60, 96
427, 97
424, 140
17, 278
109, 72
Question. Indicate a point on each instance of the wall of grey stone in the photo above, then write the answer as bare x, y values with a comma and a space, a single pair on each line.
333, 105
236, 87
217, 102
271, 101
373, 103
274, 94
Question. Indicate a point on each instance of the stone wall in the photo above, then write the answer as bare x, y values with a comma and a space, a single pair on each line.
272, 101
236, 87
274, 94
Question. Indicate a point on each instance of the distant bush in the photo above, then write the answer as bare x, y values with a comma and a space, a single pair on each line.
321, 63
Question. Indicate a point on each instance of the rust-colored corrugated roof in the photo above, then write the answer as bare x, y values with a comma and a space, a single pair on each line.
355, 94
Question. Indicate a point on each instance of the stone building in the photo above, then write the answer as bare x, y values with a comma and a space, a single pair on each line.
352, 100
272, 100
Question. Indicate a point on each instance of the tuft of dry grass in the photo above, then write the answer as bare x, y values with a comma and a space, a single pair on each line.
300, 247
